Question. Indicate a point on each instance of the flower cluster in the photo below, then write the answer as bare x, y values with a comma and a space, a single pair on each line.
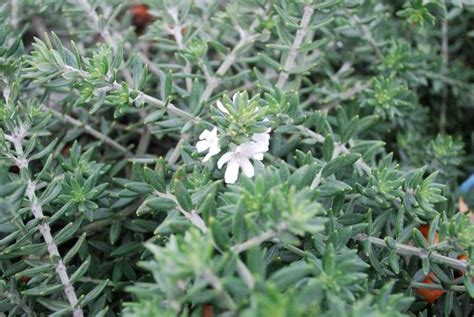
239, 156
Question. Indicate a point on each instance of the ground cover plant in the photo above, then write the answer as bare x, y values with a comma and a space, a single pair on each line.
236, 158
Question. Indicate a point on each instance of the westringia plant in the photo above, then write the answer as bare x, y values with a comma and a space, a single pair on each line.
235, 158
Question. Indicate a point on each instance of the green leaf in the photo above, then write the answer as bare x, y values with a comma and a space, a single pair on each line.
46, 151
138, 187
182, 195
81, 270
169, 85
419, 238
339, 163
303, 176
269, 62
73, 251
154, 116
154, 179
127, 249
289, 275
329, 260
469, 285
220, 236
36, 270
160, 204
328, 148
43, 290
239, 227
350, 129
68, 231
331, 187
114, 232
94, 293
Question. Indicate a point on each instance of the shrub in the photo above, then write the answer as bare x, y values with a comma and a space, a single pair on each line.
241, 158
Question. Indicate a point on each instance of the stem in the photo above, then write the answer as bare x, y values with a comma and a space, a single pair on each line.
300, 35
359, 163
455, 288
38, 24
94, 18
45, 230
176, 32
14, 14
145, 137
212, 84
192, 216
13, 298
169, 107
320, 139
90, 130
100, 224
367, 34
348, 94
445, 56
257, 240
409, 250
175, 154
110, 39
448, 81
213, 81
216, 284
245, 274
196, 220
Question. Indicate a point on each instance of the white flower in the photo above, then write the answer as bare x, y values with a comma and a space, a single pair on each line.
209, 141
240, 158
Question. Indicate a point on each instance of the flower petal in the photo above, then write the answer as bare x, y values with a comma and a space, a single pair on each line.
251, 148
258, 156
232, 172
213, 150
206, 134
224, 159
263, 138
247, 167
202, 145
221, 107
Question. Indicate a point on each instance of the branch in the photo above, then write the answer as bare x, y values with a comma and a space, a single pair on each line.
455, 288
347, 94
110, 39
97, 225
169, 107
14, 299
257, 240
216, 284
409, 250
197, 221
90, 130
320, 139
212, 80
45, 230
444, 66
176, 32
173, 158
14, 14
300, 35
212, 84
367, 34
94, 18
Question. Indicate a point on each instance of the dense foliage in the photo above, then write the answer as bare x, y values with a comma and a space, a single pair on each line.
241, 158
